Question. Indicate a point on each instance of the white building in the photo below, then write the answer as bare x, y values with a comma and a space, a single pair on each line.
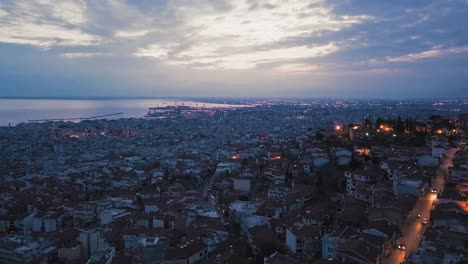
278, 191
25, 223
403, 185
92, 240
428, 161
275, 176
70, 253
303, 240
242, 185
191, 252
109, 215
15, 249
362, 176
102, 256
438, 152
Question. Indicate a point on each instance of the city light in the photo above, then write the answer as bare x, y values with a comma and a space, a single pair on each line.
228, 167
170, 131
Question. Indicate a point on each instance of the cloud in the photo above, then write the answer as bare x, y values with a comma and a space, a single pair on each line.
253, 59
428, 54
45, 23
131, 33
249, 35
154, 50
297, 68
3, 13
219, 42
74, 55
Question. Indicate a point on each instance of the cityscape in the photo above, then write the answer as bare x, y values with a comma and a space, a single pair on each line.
233, 132
272, 181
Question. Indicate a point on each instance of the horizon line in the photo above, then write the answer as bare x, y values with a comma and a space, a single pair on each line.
224, 98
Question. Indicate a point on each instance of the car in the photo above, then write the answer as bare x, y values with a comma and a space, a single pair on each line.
401, 246
433, 190
424, 221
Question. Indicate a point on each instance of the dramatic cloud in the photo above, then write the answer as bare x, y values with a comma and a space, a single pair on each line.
255, 47
45, 23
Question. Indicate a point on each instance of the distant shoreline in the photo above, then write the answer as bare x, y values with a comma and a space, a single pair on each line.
93, 98
212, 99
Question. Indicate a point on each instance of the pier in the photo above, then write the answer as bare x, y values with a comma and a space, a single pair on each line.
73, 118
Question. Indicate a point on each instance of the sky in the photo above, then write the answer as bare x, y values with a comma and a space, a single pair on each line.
234, 48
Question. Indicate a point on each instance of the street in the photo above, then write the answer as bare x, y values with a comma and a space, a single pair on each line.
414, 230
206, 188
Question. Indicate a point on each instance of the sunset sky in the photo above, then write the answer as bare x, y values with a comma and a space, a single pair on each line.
280, 48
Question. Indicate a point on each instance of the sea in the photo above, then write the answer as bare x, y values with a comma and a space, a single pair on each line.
16, 111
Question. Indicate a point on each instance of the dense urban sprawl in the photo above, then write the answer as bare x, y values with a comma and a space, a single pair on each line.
317, 181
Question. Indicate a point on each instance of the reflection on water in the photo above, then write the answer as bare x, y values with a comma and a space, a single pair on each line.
16, 111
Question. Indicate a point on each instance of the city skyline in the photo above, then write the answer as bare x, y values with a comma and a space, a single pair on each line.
82, 49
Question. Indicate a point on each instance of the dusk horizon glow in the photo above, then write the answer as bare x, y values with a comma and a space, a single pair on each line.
293, 49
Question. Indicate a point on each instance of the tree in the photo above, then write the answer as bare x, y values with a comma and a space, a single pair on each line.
355, 164
319, 181
319, 136
375, 160
420, 139
368, 122
399, 126
378, 122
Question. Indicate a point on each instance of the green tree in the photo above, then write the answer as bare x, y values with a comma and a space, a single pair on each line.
319, 136
378, 122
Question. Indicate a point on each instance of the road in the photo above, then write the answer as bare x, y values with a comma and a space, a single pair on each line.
414, 230
206, 188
